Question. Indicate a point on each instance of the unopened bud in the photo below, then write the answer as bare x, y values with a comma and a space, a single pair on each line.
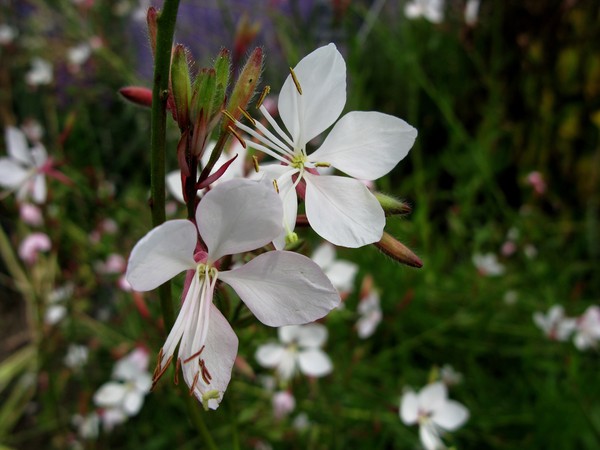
204, 93
291, 238
138, 95
181, 85
151, 19
398, 251
245, 86
245, 33
222, 72
392, 206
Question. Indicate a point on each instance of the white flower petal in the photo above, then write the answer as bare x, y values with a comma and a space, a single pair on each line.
289, 333
343, 211
237, 216
433, 396
39, 189
269, 355
322, 77
16, 146
173, 182
12, 174
450, 416
312, 335
314, 363
430, 437
342, 274
132, 403
160, 255
366, 145
110, 394
324, 255
283, 288
409, 408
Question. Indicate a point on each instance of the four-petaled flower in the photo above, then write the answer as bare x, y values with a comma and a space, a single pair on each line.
434, 413
555, 324
300, 348
280, 288
364, 145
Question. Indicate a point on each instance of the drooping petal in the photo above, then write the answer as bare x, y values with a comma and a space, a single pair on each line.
160, 255
39, 192
132, 403
342, 274
433, 396
237, 216
12, 174
269, 355
219, 354
450, 416
39, 155
343, 211
430, 437
283, 288
322, 77
324, 255
314, 363
409, 408
312, 335
16, 146
366, 145
110, 394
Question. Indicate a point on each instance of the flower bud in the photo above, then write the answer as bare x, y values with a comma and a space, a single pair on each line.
392, 206
204, 94
139, 95
151, 19
222, 72
245, 86
181, 85
398, 251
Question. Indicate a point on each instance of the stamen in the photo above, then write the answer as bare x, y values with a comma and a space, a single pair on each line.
275, 126
255, 162
229, 116
206, 376
262, 97
237, 136
177, 366
296, 82
322, 164
161, 372
247, 116
193, 386
198, 353
276, 186
272, 146
157, 368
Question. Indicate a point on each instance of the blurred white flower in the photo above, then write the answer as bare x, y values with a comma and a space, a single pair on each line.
432, 10
56, 310
555, 324
530, 251
488, 264
40, 72
114, 264
301, 422
449, 376
434, 413
300, 349
79, 54
7, 34
587, 332
124, 397
76, 357
283, 404
370, 313
340, 272
88, 427
511, 297
32, 245
472, 12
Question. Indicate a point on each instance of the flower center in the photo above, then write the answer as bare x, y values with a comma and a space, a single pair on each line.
298, 160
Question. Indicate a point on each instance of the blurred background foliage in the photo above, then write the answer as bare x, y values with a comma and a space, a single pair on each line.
514, 93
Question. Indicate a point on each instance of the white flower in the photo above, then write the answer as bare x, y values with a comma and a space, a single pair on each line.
79, 54
124, 397
280, 288
283, 404
434, 413
472, 12
56, 309
364, 145
340, 272
554, 324
370, 313
587, 333
23, 169
88, 427
300, 349
488, 264
432, 10
76, 357
449, 376
40, 72
7, 34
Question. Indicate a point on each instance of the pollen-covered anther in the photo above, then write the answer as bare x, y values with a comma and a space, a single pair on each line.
322, 164
228, 115
237, 135
206, 376
193, 385
198, 353
158, 373
255, 162
177, 367
247, 116
295, 80
276, 186
262, 97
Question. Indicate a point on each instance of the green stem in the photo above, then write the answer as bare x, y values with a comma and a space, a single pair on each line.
197, 419
162, 65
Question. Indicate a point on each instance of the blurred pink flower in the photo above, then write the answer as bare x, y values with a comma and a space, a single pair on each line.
32, 245
555, 324
31, 214
536, 180
587, 332
283, 404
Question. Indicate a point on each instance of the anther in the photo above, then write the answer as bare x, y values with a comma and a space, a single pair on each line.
296, 82
322, 164
228, 115
162, 371
193, 386
276, 186
177, 366
255, 162
237, 136
262, 97
206, 376
198, 353
247, 116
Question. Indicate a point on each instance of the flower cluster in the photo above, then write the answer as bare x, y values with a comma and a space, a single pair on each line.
584, 329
